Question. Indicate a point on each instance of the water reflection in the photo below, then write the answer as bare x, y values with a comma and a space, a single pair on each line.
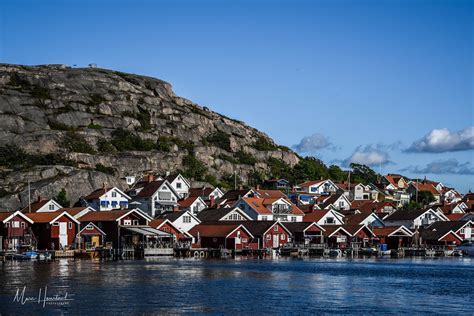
280, 286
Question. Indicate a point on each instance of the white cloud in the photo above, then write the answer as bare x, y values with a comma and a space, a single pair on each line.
310, 144
443, 140
448, 166
369, 155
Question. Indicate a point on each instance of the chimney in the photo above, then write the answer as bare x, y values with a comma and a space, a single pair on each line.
39, 198
240, 187
258, 186
150, 178
311, 208
343, 182
103, 186
176, 208
321, 178
212, 201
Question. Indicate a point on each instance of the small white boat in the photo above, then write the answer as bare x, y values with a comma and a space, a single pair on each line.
467, 249
385, 252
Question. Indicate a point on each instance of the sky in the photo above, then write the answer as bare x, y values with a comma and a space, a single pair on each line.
384, 83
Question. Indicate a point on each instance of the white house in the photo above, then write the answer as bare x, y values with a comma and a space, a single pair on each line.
261, 209
193, 204
361, 192
325, 217
107, 199
319, 187
183, 220
336, 201
155, 197
414, 218
41, 205
180, 185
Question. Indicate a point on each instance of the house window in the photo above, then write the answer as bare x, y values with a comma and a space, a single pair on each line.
178, 185
269, 237
51, 207
70, 225
330, 220
114, 194
127, 222
282, 237
15, 224
89, 227
186, 219
165, 229
56, 224
22, 224
244, 240
293, 218
7, 224
135, 222
462, 231
264, 218
275, 228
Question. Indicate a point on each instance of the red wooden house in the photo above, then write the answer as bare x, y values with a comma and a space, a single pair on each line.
336, 236
15, 230
394, 236
91, 237
305, 233
232, 236
165, 225
120, 227
54, 230
268, 234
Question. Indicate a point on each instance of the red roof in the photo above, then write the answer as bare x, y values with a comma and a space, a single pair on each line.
105, 216
315, 215
260, 205
156, 222
310, 183
149, 189
200, 191
270, 194
35, 206
213, 230
425, 187
455, 216
187, 202
97, 193
45, 217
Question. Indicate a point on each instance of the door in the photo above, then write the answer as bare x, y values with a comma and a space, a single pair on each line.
467, 233
276, 241
63, 234
95, 241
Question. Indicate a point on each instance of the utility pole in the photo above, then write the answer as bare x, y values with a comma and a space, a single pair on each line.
29, 197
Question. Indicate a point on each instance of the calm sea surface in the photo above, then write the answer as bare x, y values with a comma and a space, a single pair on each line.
242, 286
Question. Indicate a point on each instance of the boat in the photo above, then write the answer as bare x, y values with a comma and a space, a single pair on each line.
385, 252
44, 256
467, 249
31, 254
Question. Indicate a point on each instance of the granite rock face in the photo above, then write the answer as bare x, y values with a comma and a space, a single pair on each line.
76, 113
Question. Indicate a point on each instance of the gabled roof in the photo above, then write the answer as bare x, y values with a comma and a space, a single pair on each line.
74, 211
355, 229
234, 195
259, 228
357, 219
49, 217
390, 231
203, 192
447, 208
394, 178
99, 192
333, 199
297, 227
270, 194
173, 216
401, 215
110, 216
159, 222
150, 188
420, 186
316, 215
217, 230
173, 177
189, 201
35, 206
455, 216
437, 235
259, 205
330, 230
216, 214
445, 226
6, 216
311, 183
97, 228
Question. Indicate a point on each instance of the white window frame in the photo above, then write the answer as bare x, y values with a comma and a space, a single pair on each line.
127, 222
69, 225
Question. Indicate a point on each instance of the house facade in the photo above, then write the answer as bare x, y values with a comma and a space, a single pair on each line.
15, 231
271, 209
54, 230
155, 197
107, 199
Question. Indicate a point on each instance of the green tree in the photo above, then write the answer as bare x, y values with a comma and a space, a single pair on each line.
364, 174
194, 168
424, 197
62, 199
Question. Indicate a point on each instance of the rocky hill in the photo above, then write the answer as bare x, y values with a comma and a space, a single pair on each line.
76, 128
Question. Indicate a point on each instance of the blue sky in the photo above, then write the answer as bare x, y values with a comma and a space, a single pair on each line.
389, 83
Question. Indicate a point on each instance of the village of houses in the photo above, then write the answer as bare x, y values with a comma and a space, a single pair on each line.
167, 216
